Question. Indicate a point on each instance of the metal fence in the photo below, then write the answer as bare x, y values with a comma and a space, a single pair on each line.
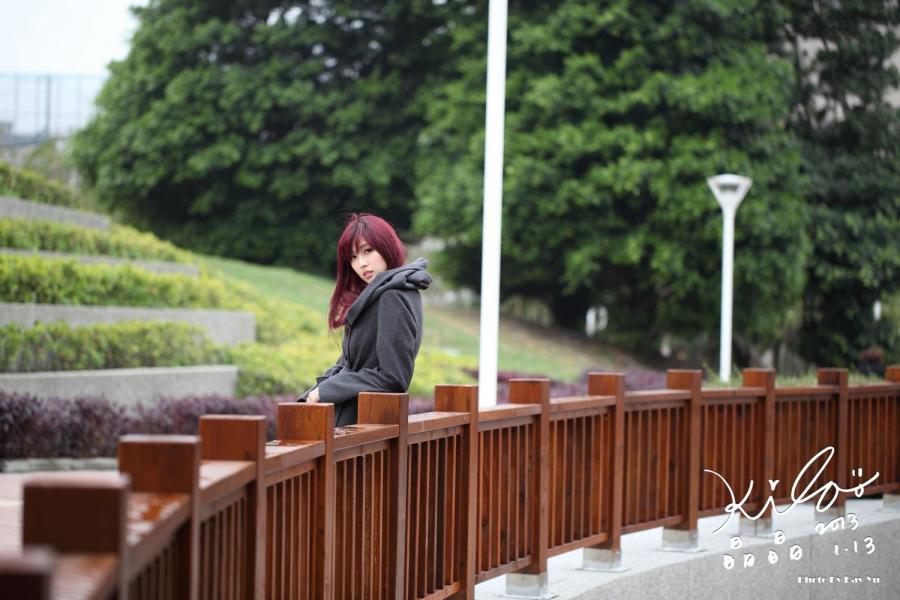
36, 107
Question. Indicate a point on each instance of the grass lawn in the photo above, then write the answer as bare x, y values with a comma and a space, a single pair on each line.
807, 379
523, 347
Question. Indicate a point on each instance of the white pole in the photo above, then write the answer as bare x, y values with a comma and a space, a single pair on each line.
727, 285
729, 191
493, 203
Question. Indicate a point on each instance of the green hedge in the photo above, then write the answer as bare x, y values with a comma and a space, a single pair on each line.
29, 185
60, 347
264, 369
292, 347
65, 281
119, 240
282, 369
292, 368
434, 367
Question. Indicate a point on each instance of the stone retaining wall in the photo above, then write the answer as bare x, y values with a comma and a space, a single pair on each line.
14, 208
126, 386
227, 327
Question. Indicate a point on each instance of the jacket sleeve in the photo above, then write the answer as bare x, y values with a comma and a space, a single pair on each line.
334, 369
396, 351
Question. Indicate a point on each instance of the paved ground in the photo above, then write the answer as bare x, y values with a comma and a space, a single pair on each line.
656, 574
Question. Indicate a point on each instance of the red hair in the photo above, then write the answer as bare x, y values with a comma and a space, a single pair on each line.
348, 286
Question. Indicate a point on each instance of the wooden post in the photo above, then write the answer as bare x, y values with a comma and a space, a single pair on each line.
464, 398
27, 576
534, 582
170, 464
839, 377
392, 409
84, 514
892, 498
607, 556
315, 422
764, 437
892, 373
683, 537
243, 437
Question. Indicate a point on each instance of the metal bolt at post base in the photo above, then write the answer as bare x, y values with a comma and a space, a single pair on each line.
729, 191
761, 527
832, 512
528, 585
891, 502
680, 540
604, 560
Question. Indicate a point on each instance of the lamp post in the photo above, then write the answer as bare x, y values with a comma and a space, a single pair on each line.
729, 190
493, 203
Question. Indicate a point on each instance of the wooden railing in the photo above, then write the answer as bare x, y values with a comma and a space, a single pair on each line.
424, 507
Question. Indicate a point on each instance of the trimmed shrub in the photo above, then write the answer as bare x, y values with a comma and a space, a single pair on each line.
284, 369
292, 368
88, 427
29, 185
277, 321
182, 415
82, 428
119, 240
434, 367
60, 347
65, 281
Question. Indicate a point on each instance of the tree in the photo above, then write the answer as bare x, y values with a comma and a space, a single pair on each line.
245, 127
851, 137
616, 114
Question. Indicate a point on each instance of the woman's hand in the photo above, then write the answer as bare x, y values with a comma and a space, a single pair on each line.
313, 396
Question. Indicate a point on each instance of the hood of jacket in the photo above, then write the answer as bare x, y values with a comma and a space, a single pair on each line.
412, 276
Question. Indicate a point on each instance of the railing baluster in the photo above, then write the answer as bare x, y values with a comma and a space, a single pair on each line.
683, 536
169, 464
533, 578
607, 555
315, 422
232, 437
392, 409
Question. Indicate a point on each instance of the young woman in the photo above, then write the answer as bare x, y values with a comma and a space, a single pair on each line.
376, 300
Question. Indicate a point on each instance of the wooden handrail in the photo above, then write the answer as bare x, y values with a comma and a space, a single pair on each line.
425, 506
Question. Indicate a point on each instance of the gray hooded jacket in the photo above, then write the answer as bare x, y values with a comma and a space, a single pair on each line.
382, 335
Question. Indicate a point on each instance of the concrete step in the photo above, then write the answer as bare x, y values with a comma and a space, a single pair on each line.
15, 208
162, 267
126, 386
224, 327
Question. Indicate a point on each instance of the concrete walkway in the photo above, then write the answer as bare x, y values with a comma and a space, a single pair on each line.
655, 574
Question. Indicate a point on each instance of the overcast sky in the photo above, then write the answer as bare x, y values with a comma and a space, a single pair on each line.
64, 37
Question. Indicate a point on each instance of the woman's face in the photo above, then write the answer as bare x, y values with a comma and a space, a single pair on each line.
367, 262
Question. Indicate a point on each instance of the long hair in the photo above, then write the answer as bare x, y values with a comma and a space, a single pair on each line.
348, 285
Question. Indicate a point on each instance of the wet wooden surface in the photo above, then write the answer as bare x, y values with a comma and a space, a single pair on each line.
11, 502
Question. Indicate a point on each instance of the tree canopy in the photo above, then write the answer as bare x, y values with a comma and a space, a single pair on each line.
616, 114
245, 128
851, 141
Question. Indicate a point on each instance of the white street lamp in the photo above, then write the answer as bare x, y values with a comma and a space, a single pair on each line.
729, 190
